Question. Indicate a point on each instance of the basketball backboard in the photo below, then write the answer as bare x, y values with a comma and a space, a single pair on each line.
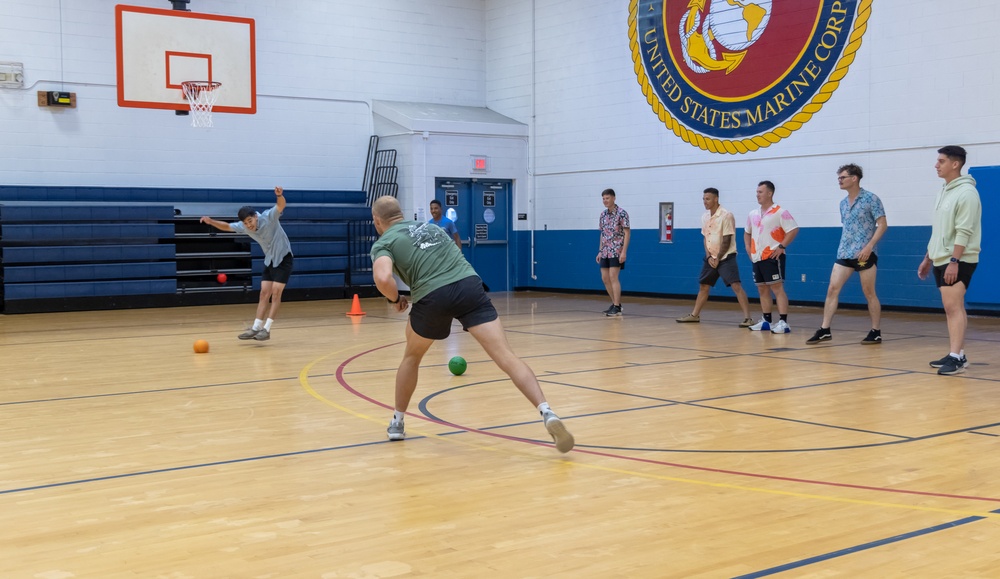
158, 49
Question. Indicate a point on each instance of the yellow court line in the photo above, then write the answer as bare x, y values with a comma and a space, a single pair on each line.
304, 381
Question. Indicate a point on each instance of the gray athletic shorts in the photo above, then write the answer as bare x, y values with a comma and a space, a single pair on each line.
727, 270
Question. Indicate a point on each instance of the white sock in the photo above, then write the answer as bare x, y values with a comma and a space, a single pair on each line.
543, 408
267, 324
398, 416
961, 353
258, 324
954, 355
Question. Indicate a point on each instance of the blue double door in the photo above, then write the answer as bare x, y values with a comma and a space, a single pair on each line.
983, 289
481, 209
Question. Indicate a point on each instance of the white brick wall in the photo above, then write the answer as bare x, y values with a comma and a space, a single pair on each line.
923, 78
319, 65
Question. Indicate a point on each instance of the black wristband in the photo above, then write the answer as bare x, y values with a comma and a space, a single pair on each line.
398, 297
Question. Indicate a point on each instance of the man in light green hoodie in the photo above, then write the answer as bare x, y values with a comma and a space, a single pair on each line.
953, 250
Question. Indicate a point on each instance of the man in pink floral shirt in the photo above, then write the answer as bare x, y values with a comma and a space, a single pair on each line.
611, 254
768, 232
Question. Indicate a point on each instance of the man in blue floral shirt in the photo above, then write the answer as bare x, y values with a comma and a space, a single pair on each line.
863, 217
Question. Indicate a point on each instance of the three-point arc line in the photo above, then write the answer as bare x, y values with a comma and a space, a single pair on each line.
304, 380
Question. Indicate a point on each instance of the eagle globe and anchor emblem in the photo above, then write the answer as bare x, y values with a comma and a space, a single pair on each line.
734, 30
733, 76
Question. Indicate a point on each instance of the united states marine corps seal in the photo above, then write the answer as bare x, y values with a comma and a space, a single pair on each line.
732, 76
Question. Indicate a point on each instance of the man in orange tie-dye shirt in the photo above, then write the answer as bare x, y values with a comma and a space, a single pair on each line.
769, 231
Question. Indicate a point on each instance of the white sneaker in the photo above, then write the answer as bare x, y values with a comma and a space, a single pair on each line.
395, 430
761, 326
563, 439
781, 328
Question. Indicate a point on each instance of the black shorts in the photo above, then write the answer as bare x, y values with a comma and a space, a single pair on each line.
857, 265
727, 270
278, 273
769, 271
463, 300
611, 262
965, 271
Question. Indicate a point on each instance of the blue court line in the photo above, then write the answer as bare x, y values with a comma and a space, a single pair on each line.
792, 420
697, 403
900, 439
764, 354
173, 389
137, 392
245, 382
773, 451
859, 548
896, 336
700, 358
103, 330
723, 397
710, 354
423, 408
194, 466
639, 344
928, 372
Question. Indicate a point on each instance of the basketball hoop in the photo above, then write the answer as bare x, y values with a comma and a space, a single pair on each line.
201, 95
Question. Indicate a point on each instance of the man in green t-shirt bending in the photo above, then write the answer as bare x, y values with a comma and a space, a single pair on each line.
443, 287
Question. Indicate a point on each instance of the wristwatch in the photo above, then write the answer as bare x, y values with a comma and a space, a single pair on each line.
781, 246
953, 260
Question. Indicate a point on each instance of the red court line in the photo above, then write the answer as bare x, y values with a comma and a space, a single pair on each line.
349, 388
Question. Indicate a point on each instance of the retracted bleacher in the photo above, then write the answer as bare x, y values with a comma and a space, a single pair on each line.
79, 248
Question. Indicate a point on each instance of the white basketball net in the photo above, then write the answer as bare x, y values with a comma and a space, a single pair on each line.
201, 96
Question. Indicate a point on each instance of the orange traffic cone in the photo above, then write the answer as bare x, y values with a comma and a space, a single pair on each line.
356, 307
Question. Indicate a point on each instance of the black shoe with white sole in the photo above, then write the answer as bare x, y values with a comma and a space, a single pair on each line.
952, 366
940, 363
873, 337
821, 335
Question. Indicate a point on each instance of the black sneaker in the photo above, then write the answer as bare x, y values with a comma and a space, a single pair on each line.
873, 337
613, 311
952, 365
943, 361
610, 311
821, 335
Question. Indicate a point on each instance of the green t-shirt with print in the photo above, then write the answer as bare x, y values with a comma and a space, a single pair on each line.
423, 255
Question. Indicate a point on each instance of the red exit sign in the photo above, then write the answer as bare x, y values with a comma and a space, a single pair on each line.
480, 164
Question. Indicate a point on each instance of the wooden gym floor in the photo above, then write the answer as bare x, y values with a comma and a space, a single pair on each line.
703, 450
